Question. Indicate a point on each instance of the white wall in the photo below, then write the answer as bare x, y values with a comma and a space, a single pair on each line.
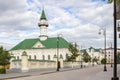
40, 52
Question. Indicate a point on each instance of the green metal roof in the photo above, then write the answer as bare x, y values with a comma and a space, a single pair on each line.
43, 16
96, 50
48, 43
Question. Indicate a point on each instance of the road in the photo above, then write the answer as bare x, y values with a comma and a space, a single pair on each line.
90, 73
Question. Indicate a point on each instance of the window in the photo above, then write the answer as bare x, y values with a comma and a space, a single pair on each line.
39, 46
66, 56
61, 56
29, 56
14, 57
43, 57
17, 57
55, 56
34, 56
48, 57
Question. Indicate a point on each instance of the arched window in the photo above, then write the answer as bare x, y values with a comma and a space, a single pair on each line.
66, 56
61, 56
48, 57
17, 57
34, 56
43, 57
29, 56
55, 56
14, 57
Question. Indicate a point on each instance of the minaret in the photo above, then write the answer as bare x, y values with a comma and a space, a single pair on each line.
43, 24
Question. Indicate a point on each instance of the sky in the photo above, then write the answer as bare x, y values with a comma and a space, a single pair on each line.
78, 20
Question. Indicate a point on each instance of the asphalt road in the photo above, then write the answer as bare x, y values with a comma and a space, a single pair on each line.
91, 73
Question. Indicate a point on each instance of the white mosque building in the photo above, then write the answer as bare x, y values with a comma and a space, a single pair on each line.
38, 50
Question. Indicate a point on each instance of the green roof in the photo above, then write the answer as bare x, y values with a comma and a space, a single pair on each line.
48, 43
96, 50
43, 16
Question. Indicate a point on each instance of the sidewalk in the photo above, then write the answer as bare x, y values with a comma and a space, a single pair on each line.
36, 74
11, 75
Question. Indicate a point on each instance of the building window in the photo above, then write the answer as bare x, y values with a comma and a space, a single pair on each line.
55, 56
29, 56
14, 57
66, 56
61, 56
39, 46
34, 56
48, 57
17, 57
43, 57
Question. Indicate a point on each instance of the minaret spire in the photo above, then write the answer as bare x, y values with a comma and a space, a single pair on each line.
43, 16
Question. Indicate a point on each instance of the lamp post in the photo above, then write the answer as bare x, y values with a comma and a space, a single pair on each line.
92, 60
58, 62
58, 53
104, 33
115, 45
110, 43
81, 57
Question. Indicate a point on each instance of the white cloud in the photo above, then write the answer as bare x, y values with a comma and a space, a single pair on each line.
78, 21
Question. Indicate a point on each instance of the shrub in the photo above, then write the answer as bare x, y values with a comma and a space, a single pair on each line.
103, 61
2, 71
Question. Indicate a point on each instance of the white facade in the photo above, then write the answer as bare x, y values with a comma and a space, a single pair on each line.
110, 54
41, 54
96, 54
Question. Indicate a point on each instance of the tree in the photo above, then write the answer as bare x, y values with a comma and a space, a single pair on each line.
86, 57
74, 52
117, 8
118, 57
95, 60
4, 57
103, 61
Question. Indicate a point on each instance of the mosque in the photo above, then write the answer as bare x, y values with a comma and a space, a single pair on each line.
41, 49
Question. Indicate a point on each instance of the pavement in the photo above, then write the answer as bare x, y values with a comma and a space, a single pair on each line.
18, 74
88, 73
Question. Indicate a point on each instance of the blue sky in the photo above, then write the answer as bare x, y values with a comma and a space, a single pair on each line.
78, 21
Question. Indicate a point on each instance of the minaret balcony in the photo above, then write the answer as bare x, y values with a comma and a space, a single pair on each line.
42, 24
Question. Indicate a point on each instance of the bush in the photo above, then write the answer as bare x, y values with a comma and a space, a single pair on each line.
103, 61
2, 71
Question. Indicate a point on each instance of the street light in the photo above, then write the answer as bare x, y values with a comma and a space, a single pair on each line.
110, 43
92, 60
115, 45
104, 33
81, 56
58, 62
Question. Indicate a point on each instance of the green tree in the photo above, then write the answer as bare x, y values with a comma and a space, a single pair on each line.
74, 52
4, 57
118, 57
117, 8
110, 1
103, 61
86, 57
95, 60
